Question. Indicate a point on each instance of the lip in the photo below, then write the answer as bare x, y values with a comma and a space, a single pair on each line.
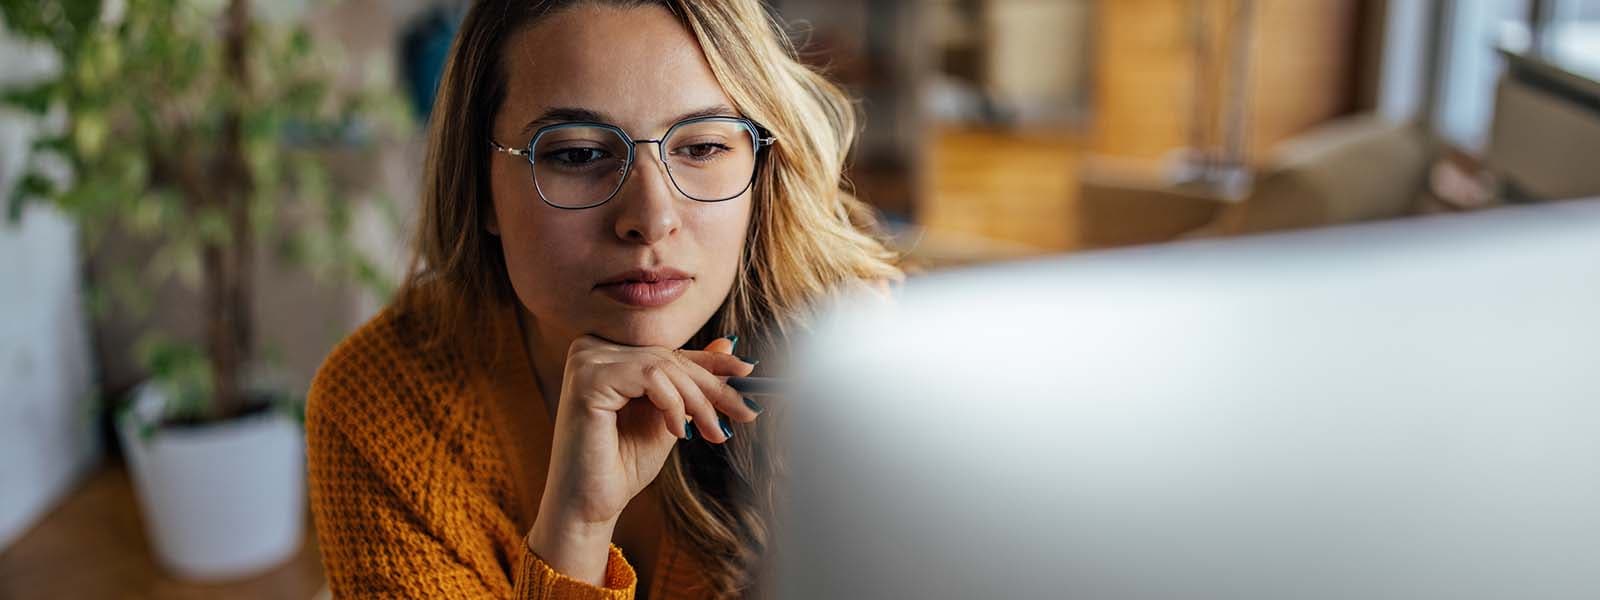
646, 288
646, 275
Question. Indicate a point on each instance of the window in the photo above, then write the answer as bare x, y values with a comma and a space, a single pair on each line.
1585, 11
1469, 66
1578, 25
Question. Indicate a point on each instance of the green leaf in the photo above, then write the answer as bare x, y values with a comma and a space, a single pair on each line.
81, 14
132, 168
14, 205
212, 225
89, 133
55, 143
300, 45
372, 279
291, 249
128, 291
32, 187
181, 368
144, 218
35, 100
189, 268
97, 300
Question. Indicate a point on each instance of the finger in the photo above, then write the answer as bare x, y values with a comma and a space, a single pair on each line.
726, 400
721, 345
702, 410
631, 380
722, 365
676, 418
662, 386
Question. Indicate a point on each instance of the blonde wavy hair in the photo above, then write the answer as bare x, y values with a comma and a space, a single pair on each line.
808, 239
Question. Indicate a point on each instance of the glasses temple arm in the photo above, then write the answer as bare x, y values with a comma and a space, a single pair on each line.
512, 151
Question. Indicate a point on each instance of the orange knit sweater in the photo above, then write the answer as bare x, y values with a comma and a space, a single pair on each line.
426, 471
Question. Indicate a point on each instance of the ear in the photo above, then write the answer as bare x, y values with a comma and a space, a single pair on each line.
491, 224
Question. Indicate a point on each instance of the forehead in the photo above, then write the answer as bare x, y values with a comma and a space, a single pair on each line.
637, 66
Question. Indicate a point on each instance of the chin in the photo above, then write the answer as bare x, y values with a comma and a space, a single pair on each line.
653, 328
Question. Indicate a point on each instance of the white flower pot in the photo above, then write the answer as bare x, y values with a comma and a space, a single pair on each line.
220, 501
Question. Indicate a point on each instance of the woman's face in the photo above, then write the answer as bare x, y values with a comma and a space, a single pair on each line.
640, 70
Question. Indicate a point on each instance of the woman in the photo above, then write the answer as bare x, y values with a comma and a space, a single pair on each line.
608, 183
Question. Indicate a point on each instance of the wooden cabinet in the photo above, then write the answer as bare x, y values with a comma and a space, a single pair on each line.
1300, 57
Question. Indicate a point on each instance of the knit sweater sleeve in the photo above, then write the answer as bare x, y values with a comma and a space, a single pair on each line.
536, 579
377, 541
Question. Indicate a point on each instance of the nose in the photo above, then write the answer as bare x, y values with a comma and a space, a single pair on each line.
647, 205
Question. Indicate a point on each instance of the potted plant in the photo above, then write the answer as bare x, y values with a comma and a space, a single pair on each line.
201, 129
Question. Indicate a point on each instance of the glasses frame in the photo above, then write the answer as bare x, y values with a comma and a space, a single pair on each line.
760, 139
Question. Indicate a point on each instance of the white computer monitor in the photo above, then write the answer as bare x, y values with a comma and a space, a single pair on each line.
1402, 410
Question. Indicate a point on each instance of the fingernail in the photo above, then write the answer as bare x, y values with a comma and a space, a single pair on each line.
688, 430
733, 339
726, 431
751, 361
753, 406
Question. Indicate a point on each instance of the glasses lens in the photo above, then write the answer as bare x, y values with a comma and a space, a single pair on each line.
579, 165
711, 160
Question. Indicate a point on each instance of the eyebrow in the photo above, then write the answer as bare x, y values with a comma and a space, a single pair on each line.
568, 114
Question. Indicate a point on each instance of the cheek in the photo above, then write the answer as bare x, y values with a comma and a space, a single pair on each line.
543, 250
720, 231
551, 250
719, 227
546, 266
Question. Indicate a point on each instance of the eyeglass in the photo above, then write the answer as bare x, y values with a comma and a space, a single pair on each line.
583, 164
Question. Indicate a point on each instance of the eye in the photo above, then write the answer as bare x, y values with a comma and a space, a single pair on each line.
576, 157
703, 151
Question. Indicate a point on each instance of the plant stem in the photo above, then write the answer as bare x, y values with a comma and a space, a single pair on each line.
229, 263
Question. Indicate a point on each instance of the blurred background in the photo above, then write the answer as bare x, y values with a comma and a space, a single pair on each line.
202, 197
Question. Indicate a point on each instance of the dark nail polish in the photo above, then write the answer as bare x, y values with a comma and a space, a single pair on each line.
688, 430
751, 361
726, 431
753, 405
734, 339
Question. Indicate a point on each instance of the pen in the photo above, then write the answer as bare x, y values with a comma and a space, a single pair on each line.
756, 385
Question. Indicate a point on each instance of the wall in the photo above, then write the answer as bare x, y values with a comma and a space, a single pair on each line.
47, 421
47, 417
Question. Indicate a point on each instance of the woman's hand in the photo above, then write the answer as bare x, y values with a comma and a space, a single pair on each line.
622, 409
